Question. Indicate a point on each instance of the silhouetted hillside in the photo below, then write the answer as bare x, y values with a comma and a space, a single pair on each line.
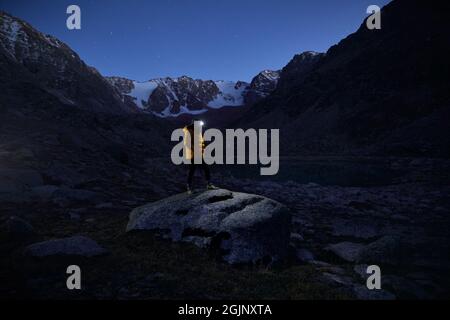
378, 91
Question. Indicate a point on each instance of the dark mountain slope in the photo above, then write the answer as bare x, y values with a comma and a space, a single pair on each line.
378, 91
31, 58
62, 119
297, 69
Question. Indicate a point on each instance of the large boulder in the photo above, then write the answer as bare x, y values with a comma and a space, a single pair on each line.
241, 227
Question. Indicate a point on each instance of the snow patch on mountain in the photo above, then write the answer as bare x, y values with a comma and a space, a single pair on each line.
231, 94
10, 30
271, 75
142, 91
21, 41
53, 41
167, 113
171, 97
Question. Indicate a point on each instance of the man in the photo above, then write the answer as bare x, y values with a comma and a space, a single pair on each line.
189, 142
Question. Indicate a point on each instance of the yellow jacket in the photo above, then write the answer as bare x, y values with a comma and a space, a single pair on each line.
189, 144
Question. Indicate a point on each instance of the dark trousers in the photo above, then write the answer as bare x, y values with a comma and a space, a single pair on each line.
193, 167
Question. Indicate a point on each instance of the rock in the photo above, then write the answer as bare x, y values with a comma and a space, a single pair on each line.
386, 250
320, 264
297, 238
304, 255
65, 176
347, 251
338, 279
332, 269
202, 242
106, 205
19, 180
312, 185
361, 270
74, 215
44, 192
363, 206
358, 228
243, 227
24, 154
67, 196
363, 293
418, 162
404, 288
16, 227
400, 217
73, 246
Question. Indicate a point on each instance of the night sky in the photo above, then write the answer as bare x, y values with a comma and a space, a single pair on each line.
207, 39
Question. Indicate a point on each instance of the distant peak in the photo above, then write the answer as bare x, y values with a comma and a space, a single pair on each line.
269, 71
307, 54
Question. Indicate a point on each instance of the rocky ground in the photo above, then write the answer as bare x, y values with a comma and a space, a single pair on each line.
403, 227
85, 215
335, 233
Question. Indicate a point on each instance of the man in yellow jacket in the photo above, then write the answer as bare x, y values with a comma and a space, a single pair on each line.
189, 142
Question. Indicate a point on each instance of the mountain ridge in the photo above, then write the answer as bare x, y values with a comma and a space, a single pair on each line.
172, 97
41, 60
375, 92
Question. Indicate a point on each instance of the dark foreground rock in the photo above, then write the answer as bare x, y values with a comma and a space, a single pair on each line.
18, 225
73, 246
241, 227
17, 228
387, 250
347, 251
15, 180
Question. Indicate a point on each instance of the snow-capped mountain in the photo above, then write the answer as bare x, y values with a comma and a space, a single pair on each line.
167, 97
171, 97
262, 85
230, 94
58, 70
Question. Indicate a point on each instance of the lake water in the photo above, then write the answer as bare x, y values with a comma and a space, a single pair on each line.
346, 173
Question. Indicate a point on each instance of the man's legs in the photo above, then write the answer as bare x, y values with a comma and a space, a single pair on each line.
207, 172
192, 168
209, 185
